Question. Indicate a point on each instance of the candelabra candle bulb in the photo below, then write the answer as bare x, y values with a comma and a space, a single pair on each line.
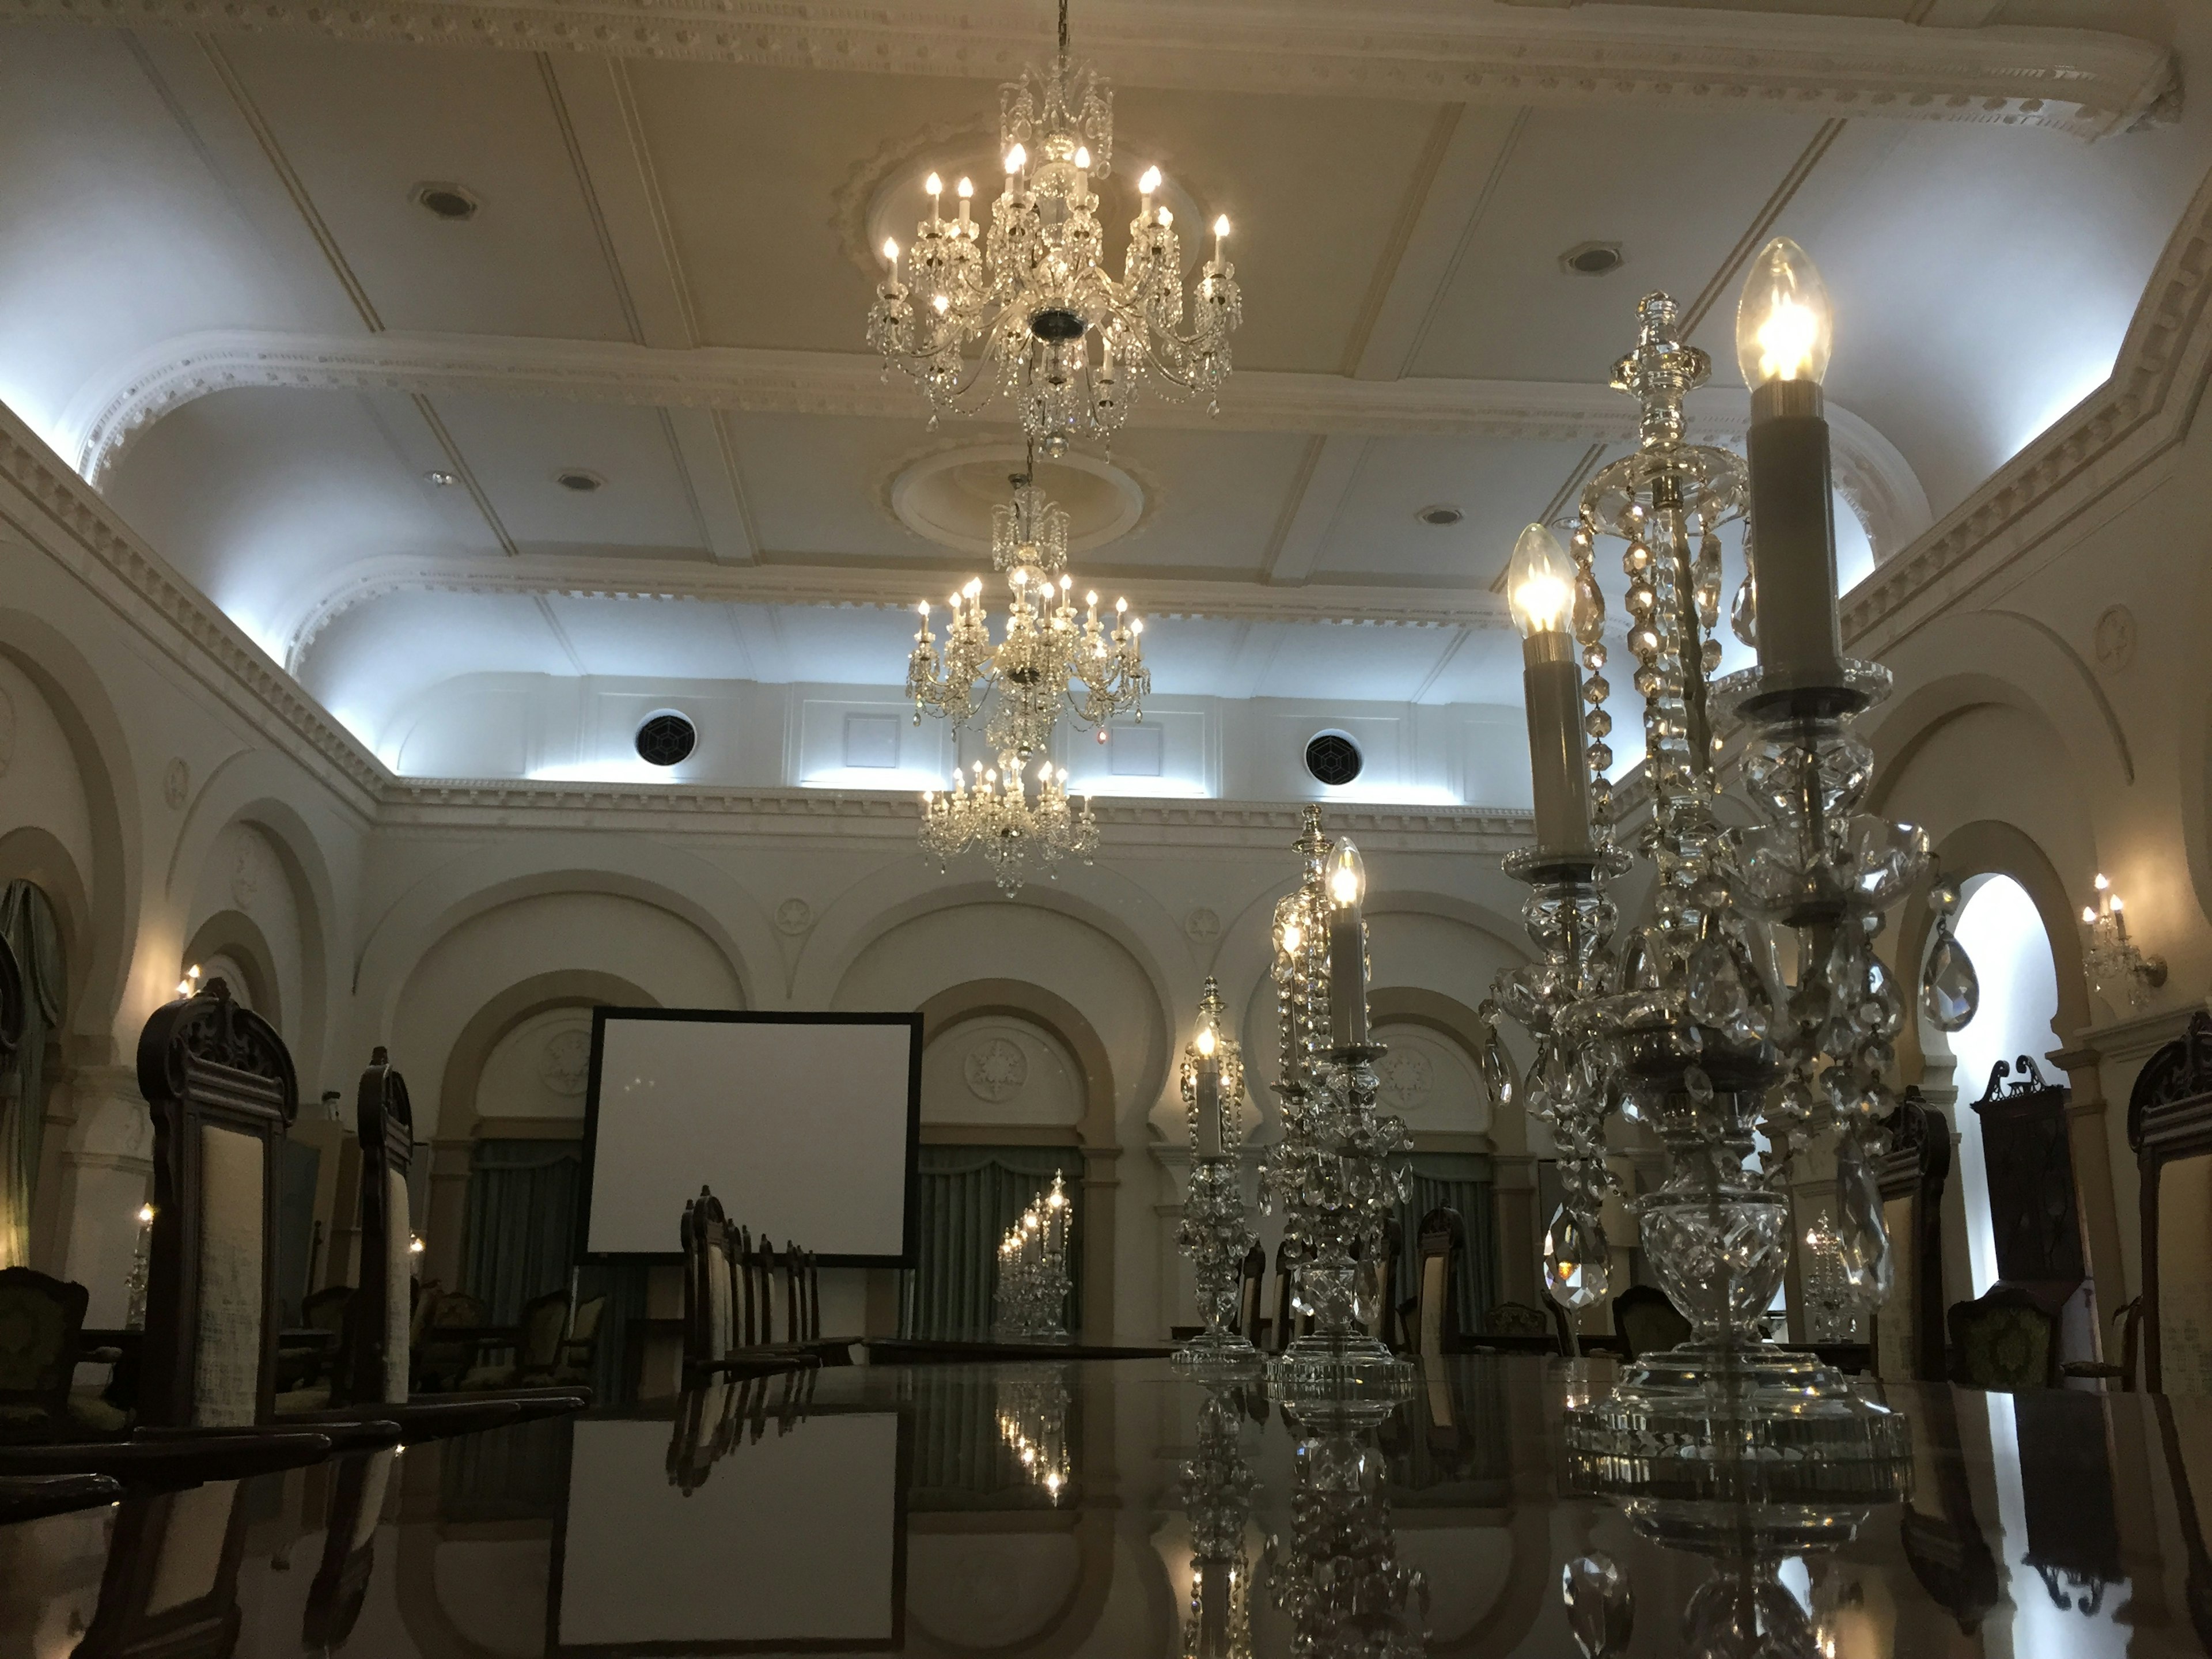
1541, 592
1347, 948
1783, 335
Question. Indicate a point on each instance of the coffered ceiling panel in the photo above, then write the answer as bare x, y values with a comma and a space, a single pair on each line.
362, 129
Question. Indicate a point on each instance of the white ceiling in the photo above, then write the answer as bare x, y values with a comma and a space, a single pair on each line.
217, 294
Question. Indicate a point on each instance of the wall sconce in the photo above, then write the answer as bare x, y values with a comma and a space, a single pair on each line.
2112, 961
189, 986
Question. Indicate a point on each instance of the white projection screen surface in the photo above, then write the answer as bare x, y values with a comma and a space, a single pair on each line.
793, 1540
804, 1125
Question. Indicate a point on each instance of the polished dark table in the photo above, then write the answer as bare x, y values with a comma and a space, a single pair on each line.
889, 1508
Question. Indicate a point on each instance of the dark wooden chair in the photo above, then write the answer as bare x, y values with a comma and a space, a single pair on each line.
1249, 1284
1439, 1259
2003, 1340
1647, 1322
1908, 1327
1515, 1319
1288, 1321
1379, 1282
340, 1588
41, 1328
2170, 1126
441, 1361
729, 1297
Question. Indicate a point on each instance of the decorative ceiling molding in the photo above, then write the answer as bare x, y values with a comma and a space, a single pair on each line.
850, 587
2142, 411
111, 413
2076, 81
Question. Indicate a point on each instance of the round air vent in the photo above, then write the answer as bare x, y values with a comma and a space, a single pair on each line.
1440, 515
576, 478
1333, 758
452, 203
666, 739
1593, 258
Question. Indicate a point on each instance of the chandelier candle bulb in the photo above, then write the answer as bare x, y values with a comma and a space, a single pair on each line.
1541, 594
1208, 1083
1782, 343
1347, 949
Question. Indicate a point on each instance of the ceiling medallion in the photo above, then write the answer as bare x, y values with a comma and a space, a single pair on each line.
949, 495
1044, 658
1030, 291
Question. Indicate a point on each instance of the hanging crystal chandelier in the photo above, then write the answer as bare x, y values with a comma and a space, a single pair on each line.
1052, 329
1691, 1026
1045, 657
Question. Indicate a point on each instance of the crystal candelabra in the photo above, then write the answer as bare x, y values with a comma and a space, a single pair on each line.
1338, 1577
1691, 1027
1033, 1402
134, 1288
1217, 1489
1053, 330
1339, 1171
1030, 1302
1215, 1234
1831, 1313
2115, 966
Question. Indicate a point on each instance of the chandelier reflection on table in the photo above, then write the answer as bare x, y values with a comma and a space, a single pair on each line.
1338, 1576
1217, 1488
1029, 1300
1214, 1232
1032, 1409
1054, 330
1690, 1025
1050, 654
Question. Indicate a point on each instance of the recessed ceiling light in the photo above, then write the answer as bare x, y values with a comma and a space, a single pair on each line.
443, 480
1592, 259
449, 202
576, 478
1440, 515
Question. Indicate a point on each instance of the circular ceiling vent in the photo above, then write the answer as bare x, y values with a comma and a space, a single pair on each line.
1333, 758
452, 203
1593, 258
579, 479
666, 739
1440, 515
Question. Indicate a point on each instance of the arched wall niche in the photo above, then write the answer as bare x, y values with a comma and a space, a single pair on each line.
73, 692
231, 939
1095, 1130
248, 883
461, 1081
999, 1068
38, 856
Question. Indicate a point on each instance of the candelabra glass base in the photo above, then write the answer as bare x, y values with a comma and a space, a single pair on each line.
1740, 1422
1338, 1381
1217, 1355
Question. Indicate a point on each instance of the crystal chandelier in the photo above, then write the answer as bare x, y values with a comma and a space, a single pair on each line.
1052, 330
1691, 1026
1045, 656
2115, 963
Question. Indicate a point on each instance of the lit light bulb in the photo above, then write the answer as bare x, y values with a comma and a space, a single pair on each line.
415, 1246
1120, 605
923, 609
1090, 598
1062, 774
1166, 216
2102, 884
1205, 1040
145, 1215
1221, 226
1347, 876
2089, 914
890, 252
941, 304
974, 586
1150, 182
934, 185
1293, 937
1537, 584
1083, 156
1783, 328
1136, 624
2118, 904
1016, 159
965, 189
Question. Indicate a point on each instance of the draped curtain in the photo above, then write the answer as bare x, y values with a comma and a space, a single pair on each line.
967, 1197
33, 931
1461, 1182
520, 1235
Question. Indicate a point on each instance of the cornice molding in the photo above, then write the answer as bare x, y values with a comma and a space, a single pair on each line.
2081, 82
2144, 410
113, 411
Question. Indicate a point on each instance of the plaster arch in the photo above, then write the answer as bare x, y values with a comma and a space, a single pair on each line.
38, 856
454, 1103
652, 872
117, 990
245, 789
235, 934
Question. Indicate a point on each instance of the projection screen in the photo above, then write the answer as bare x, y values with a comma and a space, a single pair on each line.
804, 1126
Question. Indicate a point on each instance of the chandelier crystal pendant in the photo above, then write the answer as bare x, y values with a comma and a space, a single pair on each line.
1048, 655
1051, 329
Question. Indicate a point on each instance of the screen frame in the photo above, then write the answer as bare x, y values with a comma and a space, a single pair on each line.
910, 1226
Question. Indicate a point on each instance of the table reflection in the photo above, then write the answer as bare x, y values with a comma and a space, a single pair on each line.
890, 1509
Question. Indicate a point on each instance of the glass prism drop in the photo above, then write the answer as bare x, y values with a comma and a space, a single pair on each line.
1601, 1612
1951, 991
1862, 1241
1576, 1272
1743, 615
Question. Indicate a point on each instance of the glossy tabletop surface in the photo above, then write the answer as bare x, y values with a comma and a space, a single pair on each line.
1015, 1510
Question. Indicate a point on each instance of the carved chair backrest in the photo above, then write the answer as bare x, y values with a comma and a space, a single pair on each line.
2170, 1126
340, 1589
170, 1591
223, 1094
811, 1280
1515, 1319
1248, 1292
2004, 1339
1439, 1258
1648, 1321
709, 1332
41, 1329
1288, 1258
537, 1336
384, 1124
1908, 1327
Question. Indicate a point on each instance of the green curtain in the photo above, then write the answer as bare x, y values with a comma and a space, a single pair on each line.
1461, 1182
967, 1197
33, 931
520, 1235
